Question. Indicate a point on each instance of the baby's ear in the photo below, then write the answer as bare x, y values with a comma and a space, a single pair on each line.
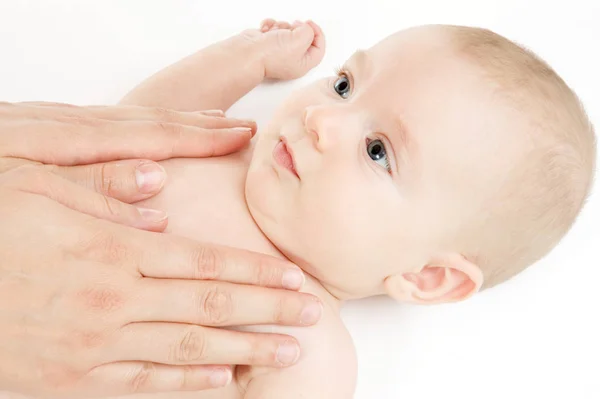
448, 278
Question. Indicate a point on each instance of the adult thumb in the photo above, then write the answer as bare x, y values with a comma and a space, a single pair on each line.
128, 181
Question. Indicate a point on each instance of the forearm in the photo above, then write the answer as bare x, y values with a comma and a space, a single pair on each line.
212, 78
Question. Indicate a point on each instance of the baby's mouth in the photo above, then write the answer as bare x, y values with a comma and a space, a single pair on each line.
284, 156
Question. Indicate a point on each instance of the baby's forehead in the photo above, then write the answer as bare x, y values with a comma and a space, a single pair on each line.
409, 55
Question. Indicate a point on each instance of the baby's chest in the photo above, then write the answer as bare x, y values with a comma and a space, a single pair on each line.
204, 200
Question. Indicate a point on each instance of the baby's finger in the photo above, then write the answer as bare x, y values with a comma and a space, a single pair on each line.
319, 39
267, 24
282, 25
316, 51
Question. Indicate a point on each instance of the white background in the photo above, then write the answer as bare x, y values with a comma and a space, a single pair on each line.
535, 336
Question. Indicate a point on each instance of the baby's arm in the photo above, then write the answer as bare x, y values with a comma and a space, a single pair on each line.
212, 78
219, 75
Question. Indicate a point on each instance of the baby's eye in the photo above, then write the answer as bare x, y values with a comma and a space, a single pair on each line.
342, 86
377, 152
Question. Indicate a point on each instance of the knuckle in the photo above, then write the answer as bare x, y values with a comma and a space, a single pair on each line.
216, 306
171, 129
260, 352
190, 347
100, 246
207, 262
267, 275
280, 311
84, 339
111, 208
141, 379
100, 299
103, 181
164, 114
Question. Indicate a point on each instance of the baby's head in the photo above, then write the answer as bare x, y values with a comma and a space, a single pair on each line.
441, 161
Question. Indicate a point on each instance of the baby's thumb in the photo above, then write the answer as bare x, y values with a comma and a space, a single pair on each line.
303, 36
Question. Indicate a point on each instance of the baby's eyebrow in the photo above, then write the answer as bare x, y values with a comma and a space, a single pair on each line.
358, 62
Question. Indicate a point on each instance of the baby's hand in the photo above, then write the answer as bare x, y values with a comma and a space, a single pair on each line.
290, 50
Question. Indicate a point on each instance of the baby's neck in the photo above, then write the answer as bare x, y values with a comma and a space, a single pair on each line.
205, 201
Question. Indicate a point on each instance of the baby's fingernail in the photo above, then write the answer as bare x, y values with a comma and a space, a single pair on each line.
311, 313
288, 353
292, 279
220, 378
149, 177
152, 215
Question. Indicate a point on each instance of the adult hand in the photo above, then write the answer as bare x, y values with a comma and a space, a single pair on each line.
89, 307
111, 149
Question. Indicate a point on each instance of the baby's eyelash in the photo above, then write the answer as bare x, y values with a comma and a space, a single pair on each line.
341, 71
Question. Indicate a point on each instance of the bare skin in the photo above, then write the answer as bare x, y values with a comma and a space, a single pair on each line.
327, 349
78, 282
361, 220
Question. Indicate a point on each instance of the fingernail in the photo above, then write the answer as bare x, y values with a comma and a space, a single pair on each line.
242, 129
220, 378
288, 353
152, 215
149, 177
311, 313
292, 279
213, 112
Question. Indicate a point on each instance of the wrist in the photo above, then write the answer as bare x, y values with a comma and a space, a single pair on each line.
250, 49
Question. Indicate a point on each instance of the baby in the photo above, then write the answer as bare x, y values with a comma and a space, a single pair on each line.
439, 162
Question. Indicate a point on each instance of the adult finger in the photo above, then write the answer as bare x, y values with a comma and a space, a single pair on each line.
175, 344
124, 378
208, 119
181, 258
74, 141
111, 115
38, 180
220, 304
7, 163
127, 181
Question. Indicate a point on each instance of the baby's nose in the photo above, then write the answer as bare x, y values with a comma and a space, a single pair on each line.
327, 124
310, 124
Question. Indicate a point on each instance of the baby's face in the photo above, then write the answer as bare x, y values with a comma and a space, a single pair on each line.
386, 158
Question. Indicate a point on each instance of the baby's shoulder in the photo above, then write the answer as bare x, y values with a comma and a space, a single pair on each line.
326, 368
